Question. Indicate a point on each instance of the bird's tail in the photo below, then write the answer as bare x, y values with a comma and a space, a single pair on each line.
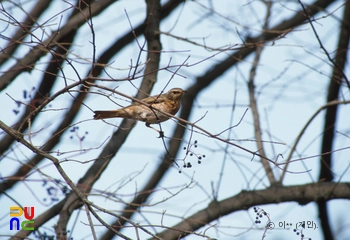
112, 114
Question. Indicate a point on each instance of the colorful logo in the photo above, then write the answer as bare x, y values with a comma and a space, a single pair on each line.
16, 212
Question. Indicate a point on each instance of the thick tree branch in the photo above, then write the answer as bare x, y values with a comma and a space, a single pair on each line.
303, 194
331, 117
154, 48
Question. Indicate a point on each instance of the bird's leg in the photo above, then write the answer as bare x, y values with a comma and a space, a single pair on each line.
161, 133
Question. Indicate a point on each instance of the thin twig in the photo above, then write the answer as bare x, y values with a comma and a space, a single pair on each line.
323, 47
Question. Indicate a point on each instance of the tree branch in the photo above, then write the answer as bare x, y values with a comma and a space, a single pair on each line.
303, 194
331, 116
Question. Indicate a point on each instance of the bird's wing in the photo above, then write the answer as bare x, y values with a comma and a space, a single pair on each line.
154, 99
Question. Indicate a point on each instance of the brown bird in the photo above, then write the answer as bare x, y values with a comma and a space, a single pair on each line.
168, 102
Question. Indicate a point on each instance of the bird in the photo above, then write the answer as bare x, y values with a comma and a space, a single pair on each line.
151, 111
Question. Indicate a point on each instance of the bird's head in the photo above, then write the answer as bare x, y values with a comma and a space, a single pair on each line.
175, 93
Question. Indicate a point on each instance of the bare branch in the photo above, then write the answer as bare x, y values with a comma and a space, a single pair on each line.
247, 199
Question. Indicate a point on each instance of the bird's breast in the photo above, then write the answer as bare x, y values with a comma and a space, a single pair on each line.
172, 106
